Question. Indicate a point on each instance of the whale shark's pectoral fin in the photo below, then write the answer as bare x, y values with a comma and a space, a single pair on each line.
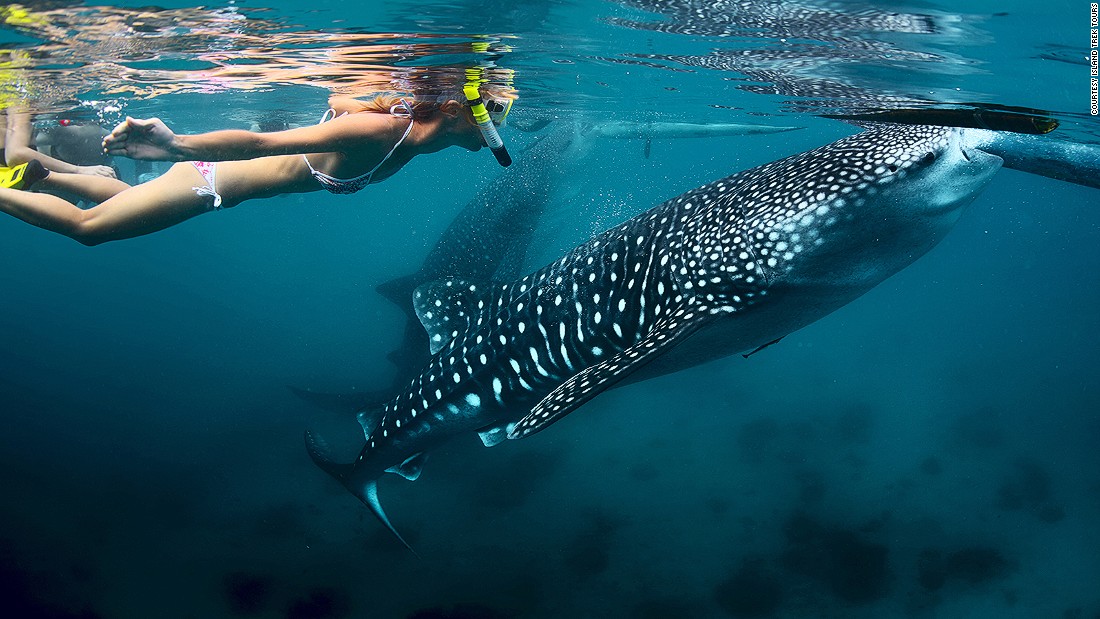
584, 385
495, 434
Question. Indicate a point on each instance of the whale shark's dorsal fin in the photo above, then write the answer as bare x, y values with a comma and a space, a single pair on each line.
369, 417
584, 385
444, 308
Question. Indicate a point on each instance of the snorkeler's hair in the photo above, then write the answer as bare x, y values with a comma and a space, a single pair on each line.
423, 106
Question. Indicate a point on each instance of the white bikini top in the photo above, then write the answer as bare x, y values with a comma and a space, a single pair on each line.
352, 185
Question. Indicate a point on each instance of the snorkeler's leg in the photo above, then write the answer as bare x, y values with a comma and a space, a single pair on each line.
85, 186
142, 209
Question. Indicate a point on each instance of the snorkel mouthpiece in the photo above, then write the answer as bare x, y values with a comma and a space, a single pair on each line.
485, 124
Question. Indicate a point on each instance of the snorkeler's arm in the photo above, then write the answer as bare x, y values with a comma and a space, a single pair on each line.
152, 139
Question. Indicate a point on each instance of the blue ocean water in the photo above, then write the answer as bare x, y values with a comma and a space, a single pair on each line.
927, 451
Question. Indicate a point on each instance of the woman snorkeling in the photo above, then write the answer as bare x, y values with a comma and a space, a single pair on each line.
356, 143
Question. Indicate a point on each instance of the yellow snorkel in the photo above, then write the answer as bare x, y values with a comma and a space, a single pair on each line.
483, 119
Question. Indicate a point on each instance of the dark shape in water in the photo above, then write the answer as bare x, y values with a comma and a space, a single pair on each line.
246, 594
756, 438
1051, 513
283, 521
973, 566
979, 429
931, 572
750, 592
811, 487
931, 466
644, 471
507, 487
853, 569
659, 608
977, 565
322, 603
18, 596
461, 611
1026, 486
590, 551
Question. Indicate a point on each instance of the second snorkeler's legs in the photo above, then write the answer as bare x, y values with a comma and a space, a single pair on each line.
162, 202
85, 186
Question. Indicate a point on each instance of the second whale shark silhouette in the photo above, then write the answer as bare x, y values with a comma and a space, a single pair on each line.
726, 268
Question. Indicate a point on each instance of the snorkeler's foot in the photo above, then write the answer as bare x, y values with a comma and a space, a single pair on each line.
34, 173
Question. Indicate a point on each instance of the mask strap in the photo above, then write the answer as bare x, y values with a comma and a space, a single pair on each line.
402, 110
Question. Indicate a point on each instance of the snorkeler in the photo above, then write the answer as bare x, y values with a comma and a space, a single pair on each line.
355, 144
62, 146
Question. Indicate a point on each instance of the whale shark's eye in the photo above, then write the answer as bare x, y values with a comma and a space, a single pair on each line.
893, 168
928, 158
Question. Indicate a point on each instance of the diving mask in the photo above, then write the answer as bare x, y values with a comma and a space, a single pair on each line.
498, 110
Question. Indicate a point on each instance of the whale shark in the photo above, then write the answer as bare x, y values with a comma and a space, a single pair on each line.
725, 268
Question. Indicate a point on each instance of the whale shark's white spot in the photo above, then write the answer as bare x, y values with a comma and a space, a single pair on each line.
473, 400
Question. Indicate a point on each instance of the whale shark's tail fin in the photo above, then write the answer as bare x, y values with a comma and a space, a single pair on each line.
367, 492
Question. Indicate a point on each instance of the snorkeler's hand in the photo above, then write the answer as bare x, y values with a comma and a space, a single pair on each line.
148, 139
96, 170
